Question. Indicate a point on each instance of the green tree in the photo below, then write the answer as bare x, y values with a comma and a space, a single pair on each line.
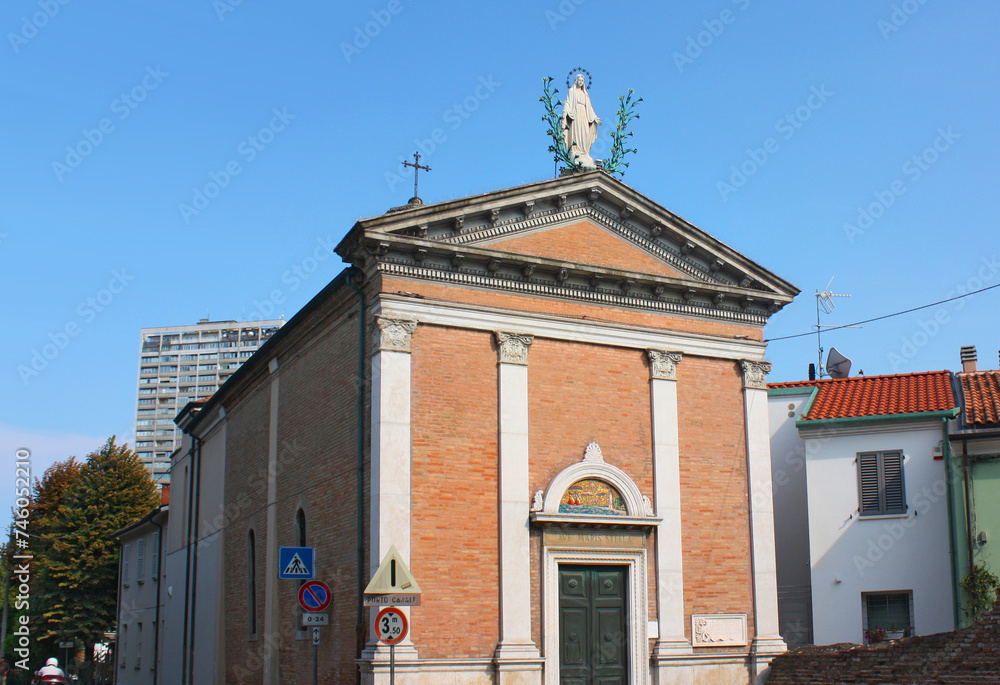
79, 582
48, 496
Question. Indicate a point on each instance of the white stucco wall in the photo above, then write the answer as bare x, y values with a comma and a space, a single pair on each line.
791, 520
139, 596
850, 555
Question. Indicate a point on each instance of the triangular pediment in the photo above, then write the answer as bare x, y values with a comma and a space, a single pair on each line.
584, 242
585, 236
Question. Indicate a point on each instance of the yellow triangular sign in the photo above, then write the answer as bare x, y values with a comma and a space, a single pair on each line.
392, 576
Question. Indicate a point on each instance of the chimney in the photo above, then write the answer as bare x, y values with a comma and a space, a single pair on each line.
968, 354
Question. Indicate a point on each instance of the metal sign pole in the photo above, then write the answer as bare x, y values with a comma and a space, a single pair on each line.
392, 664
315, 661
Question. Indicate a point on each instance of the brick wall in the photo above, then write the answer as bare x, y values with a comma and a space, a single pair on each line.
246, 500
454, 529
578, 393
967, 656
714, 519
585, 243
317, 472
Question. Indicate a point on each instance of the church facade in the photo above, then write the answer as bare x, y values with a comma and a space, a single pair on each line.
552, 401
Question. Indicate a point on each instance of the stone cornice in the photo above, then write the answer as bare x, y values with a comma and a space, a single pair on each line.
553, 327
604, 200
660, 296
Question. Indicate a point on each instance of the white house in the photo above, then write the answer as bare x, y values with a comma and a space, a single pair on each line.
138, 657
860, 478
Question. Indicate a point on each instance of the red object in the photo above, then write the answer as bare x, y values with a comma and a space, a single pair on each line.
388, 628
315, 595
839, 398
982, 397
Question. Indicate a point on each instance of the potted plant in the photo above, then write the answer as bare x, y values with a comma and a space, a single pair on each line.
895, 633
876, 634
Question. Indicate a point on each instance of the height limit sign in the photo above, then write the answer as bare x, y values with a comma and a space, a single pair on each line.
391, 626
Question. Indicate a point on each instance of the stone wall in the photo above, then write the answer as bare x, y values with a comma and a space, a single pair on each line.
967, 656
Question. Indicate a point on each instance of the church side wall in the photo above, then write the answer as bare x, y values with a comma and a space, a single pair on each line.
317, 472
578, 393
715, 521
454, 533
246, 503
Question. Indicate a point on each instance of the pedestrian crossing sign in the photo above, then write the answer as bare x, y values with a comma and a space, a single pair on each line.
297, 563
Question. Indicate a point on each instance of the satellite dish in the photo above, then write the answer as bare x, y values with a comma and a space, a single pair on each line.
837, 365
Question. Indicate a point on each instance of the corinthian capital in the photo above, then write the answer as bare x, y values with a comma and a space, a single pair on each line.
663, 365
393, 334
755, 374
513, 347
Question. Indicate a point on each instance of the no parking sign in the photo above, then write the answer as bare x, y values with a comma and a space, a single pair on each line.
315, 595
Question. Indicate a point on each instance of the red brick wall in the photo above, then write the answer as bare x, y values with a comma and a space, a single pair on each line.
578, 393
317, 471
715, 521
966, 657
246, 501
454, 530
585, 243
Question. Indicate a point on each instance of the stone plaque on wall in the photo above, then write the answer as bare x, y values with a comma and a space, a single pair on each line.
718, 630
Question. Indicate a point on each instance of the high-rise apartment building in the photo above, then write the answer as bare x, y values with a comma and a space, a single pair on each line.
178, 364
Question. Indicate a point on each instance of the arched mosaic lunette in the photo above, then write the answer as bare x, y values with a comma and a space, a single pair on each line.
592, 496
594, 468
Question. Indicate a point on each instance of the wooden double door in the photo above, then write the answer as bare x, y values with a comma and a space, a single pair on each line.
593, 625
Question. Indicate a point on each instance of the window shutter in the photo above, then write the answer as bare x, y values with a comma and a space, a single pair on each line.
140, 558
895, 496
868, 477
126, 550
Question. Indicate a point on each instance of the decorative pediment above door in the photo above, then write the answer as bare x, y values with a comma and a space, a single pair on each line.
593, 494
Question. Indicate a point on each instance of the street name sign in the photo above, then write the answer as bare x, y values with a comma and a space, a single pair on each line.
392, 584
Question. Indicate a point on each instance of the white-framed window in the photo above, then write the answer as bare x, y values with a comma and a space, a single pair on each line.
881, 488
122, 642
889, 611
126, 553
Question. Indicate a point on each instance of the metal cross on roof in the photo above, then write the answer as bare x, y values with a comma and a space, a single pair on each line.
417, 166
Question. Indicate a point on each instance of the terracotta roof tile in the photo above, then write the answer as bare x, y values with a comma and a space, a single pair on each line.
981, 390
840, 398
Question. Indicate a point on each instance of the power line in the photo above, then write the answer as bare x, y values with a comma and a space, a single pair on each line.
887, 316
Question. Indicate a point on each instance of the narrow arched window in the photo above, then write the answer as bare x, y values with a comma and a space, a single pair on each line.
300, 528
251, 583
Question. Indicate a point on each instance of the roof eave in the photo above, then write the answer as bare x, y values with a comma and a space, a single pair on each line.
878, 418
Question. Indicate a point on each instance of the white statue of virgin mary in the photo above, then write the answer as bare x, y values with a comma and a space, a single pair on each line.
579, 123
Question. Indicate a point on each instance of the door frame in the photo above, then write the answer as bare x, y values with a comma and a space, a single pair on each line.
636, 605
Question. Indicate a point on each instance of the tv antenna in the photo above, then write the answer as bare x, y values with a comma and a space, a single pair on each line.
824, 301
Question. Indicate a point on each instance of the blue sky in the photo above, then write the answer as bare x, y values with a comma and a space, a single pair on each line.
847, 140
